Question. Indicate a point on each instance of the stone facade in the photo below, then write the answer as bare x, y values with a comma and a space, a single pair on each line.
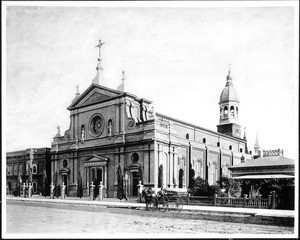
110, 128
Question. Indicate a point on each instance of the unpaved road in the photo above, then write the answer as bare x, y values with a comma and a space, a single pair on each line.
44, 218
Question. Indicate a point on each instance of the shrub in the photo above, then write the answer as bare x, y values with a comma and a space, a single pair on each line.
201, 187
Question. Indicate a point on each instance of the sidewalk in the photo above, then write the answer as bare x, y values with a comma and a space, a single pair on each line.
132, 203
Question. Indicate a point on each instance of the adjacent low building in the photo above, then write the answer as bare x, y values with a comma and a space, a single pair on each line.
29, 165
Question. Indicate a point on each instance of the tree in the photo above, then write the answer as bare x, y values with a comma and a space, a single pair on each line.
191, 178
79, 185
201, 187
160, 176
57, 187
120, 190
235, 187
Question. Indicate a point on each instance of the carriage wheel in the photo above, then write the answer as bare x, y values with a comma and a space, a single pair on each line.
165, 203
172, 204
153, 204
179, 204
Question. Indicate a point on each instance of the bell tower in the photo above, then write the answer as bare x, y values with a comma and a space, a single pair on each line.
229, 110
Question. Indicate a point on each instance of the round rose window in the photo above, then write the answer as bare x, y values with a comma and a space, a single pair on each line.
97, 125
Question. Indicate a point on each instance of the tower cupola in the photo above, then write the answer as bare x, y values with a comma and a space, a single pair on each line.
229, 109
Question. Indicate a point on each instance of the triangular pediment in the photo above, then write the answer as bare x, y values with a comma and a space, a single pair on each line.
95, 160
94, 94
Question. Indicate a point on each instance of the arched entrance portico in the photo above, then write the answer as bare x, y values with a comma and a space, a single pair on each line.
96, 172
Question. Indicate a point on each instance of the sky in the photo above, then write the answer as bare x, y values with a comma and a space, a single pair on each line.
176, 55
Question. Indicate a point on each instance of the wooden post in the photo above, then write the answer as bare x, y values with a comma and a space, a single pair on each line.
259, 202
101, 191
273, 199
269, 201
92, 191
215, 199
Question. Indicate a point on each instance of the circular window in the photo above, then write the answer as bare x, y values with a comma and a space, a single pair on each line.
97, 125
65, 163
135, 157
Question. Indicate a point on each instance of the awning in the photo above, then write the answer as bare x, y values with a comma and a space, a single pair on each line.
264, 176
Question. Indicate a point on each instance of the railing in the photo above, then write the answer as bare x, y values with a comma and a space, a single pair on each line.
230, 202
201, 200
242, 202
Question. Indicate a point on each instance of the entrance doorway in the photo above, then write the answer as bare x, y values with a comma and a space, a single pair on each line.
96, 177
135, 182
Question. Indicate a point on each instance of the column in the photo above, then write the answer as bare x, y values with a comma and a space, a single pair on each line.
170, 167
87, 180
105, 176
176, 167
155, 167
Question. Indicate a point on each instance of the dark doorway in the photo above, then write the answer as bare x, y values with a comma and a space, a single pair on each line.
65, 181
135, 182
98, 179
180, 178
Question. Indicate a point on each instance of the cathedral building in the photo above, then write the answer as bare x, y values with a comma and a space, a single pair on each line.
114, 132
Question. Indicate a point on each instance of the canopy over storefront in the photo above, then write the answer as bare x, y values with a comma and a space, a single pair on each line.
266, 176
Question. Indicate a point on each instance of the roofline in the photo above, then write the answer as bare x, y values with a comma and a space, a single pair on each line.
120, 95
282, 165
196, 126
25, 150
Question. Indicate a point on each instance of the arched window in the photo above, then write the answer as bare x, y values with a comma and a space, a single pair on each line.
204, 140
232, 109
34, 168
225, 111
241, 150
187, 136
109, 127
237, 110
21, 169
225, 171
9, 169
230, 147
15, 169
218, 144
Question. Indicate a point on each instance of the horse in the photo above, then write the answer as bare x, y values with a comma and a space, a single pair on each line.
147, 194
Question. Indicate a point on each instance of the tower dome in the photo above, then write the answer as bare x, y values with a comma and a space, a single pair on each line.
229, 109
229, 94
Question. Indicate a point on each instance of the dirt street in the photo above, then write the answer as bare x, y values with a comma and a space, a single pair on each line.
60, 218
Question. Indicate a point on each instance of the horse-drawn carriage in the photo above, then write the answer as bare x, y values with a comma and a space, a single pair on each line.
164, 200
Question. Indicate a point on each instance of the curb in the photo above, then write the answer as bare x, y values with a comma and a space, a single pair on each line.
186, 208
